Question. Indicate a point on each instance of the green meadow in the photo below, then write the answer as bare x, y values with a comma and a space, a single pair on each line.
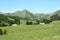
32, 32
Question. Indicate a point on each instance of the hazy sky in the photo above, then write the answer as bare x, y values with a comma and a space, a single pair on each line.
34, 6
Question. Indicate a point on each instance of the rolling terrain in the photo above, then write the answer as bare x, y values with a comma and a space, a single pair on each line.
33, 32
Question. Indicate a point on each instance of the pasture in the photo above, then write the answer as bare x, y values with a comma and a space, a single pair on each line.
32, 32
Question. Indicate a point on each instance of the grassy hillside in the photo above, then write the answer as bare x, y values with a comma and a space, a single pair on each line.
23, 14
55, 22
41, 16
32, 32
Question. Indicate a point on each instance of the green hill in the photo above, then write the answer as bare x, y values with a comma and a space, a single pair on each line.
25, 14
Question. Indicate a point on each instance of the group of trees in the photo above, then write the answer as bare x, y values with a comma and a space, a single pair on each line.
48, 18
3, 31
3, 20
46, 21
56, 16
16, 20
8, 20
29, 22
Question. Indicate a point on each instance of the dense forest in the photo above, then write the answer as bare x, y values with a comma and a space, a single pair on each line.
7, 19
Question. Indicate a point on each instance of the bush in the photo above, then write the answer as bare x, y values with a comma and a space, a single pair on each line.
29, 23
47, 21
1, 32
17, 21
11, 22
5, 31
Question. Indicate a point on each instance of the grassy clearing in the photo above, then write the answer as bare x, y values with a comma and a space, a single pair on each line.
32, 32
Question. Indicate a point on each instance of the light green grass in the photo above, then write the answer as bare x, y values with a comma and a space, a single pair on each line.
32, 32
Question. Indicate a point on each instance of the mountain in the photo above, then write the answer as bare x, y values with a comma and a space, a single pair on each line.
25, 14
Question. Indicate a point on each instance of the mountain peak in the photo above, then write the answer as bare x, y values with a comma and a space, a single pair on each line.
23, 14
25, 10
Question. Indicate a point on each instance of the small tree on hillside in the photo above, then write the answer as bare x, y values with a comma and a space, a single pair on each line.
5, 32
29, 23
1, 32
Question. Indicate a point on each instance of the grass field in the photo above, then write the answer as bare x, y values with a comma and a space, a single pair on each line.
33, 32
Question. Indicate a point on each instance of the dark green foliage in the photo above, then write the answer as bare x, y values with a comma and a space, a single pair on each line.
29, 23
2, 24
42, 18
11, 22
1, 32
8, 20
3, 20
3, 17
5, 32
55, 17
37, 21
46, 21
16, 20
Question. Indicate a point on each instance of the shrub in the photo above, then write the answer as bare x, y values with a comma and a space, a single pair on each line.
29, 23
5, 31
46, 21
1, 32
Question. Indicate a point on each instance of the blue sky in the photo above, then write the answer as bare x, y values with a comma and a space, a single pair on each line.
34, 6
